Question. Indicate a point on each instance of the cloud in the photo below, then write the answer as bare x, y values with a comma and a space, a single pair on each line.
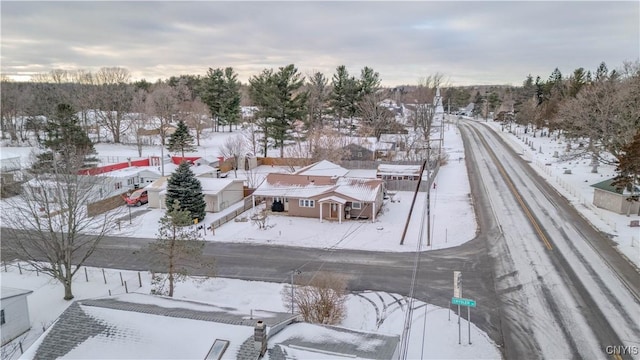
470, 42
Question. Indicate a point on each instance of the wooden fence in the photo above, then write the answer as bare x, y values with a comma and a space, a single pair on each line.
248, 204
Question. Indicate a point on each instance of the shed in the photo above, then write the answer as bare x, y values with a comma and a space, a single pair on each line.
607, 196
219, 194
14, 315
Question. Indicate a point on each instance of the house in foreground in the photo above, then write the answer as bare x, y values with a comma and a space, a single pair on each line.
322, 190
141, 326
14, 313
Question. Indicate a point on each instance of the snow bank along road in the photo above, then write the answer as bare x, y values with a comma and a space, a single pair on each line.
564, 292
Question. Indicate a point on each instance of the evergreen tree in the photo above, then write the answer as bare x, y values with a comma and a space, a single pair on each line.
69, 148
179, 246
181, 140
281, 102
259, 92
184, 187
220, 90
288, 103
317, 100
344, 94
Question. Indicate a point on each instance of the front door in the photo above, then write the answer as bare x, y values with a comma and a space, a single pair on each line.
334, 211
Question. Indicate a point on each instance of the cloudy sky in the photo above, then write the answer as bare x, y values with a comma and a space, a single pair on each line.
469, 42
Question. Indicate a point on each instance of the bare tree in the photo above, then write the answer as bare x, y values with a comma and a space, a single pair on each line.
113, 99
139, 119
197, 114
162, 103
112, 75
325, 144
320, 299
49, 225
375, 117
234, 147
179, 246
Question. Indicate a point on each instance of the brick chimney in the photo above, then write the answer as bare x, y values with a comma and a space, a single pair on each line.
260, 337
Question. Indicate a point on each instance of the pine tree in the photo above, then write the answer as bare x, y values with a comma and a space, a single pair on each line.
179, 246
181, 140
69, 148
221, 92
184, 187
344, 94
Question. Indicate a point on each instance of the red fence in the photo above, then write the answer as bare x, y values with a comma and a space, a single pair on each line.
113, 167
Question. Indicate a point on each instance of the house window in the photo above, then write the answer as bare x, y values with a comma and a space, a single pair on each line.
129, 181
307, 203
359, 154
2, 321
118, 185
356, 206
280, 199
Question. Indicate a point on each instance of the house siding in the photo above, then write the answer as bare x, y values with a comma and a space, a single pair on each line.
16, 314
614, 202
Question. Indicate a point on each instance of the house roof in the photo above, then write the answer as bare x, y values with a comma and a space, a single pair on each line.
386, 169
159, 184
607, 185
323, 168
301, 186
313, 341
295, 186
9, 292
136, 326
213, 186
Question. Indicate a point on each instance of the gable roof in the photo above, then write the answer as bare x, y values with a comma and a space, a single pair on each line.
9, 292
323, 168
135, 326
607, 185
305, 187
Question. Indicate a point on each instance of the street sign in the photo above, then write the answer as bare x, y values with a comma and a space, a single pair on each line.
463, 302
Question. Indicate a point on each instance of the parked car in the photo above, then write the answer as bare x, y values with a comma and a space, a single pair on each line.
137, 198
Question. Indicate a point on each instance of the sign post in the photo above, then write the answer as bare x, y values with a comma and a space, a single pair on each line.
457, 293
469, 304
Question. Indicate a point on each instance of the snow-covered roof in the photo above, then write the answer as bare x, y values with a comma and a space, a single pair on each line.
213, 186
313, 341
359, 189
302, 186
140, 326
9, 292
323, 168
123, 173
157, 185
295, 186
387, 169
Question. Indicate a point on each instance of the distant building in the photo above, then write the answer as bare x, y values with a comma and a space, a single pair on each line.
607, 196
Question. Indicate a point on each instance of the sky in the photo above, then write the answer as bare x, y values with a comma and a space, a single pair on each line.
469, 42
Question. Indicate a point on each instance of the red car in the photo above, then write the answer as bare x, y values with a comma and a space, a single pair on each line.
137, 198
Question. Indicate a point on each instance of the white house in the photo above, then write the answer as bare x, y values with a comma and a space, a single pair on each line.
219, 194
14, 315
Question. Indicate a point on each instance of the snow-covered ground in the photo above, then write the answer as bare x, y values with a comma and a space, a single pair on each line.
386, 316
453, 223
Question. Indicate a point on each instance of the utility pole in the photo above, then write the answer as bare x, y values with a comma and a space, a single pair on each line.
429, 195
